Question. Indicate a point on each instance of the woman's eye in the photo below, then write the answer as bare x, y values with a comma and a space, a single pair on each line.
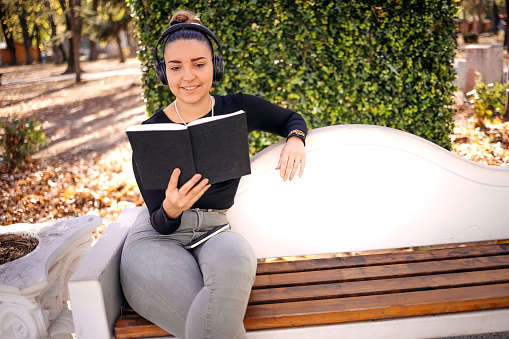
200, 65
175, 68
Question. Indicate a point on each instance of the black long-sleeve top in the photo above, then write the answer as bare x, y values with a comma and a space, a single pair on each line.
261, 116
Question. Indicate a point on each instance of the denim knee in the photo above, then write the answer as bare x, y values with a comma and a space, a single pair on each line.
232, 257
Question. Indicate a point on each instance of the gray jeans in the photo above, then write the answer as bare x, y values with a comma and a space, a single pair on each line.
198, 293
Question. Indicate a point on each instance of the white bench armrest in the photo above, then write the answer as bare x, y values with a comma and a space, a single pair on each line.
95, 291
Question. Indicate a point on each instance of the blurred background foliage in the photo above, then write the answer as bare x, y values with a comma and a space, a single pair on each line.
387, 63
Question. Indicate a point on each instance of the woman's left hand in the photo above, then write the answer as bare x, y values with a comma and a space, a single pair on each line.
292, 158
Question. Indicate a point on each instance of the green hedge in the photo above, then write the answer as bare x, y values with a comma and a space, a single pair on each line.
387, 63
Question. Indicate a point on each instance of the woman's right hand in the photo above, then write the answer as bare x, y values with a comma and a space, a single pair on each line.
178, 200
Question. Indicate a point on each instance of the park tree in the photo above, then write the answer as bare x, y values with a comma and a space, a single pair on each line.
17, 14
113, 16
74, 14
59, 53
506, 37
30, 15
93, 43
31, 21
494, 16
7, 31
480, 10
72, 11
22, 14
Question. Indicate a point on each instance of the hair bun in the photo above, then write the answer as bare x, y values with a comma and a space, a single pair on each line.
184, 16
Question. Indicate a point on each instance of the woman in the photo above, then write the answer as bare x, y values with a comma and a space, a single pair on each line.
202, 292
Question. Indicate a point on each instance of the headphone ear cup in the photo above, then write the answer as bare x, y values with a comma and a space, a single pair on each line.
161, 72
218, 64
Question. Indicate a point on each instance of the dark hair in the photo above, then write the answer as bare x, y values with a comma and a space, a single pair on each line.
188, 34
184, 16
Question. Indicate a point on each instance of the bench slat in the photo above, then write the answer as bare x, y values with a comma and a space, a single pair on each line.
385, 286
134, 326
381, 259
375, 307
377, 272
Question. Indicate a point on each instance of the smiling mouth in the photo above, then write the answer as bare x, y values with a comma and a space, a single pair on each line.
189, 88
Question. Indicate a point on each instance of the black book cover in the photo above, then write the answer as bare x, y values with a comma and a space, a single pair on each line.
215, 147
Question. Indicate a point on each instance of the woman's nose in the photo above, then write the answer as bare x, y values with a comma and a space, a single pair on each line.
188, 74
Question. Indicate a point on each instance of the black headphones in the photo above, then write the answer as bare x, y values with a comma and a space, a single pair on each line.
217, 60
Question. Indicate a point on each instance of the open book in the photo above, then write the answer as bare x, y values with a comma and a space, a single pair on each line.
215, 147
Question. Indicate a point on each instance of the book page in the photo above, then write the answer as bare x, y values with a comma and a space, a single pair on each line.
214, 118
220, 148
156, 127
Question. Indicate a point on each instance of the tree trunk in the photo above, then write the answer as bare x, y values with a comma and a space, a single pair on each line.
58, 57
465, 23
494, 17
480, 6
8, 37
119, 44
64, 53
131, 41
27, 40
76, 35
93, 51
37, 35
506, 37
93, 45
70, 56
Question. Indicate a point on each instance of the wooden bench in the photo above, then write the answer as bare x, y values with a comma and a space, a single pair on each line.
365, 288
366, 188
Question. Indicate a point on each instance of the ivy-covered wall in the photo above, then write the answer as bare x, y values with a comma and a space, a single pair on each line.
387, 63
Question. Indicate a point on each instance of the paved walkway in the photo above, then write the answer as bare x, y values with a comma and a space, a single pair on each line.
84, 76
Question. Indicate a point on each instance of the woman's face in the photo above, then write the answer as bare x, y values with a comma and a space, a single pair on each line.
189, 70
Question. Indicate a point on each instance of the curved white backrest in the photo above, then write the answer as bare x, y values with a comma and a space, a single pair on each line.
369, 187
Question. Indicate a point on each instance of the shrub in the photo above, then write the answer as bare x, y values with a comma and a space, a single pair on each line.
19, 139
387, 63
470, 38
488, 100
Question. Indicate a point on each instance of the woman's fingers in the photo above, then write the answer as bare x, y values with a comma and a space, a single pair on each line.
295, 166
178, 200
174, 179
200, 190
302, 165
293, 156
184, 190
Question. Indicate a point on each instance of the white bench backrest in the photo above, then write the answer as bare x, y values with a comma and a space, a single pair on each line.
369, 187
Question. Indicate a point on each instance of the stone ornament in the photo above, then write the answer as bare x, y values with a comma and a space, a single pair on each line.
33, 289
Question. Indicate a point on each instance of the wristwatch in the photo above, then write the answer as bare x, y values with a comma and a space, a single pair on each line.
297, 133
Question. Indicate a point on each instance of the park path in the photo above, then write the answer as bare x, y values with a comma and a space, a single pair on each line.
82, 119
84, 76
86, 166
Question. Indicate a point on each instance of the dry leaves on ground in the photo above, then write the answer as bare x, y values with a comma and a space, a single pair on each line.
103, 186
86, 168
488, 146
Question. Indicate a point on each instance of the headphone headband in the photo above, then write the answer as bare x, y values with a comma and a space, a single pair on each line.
217, 60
